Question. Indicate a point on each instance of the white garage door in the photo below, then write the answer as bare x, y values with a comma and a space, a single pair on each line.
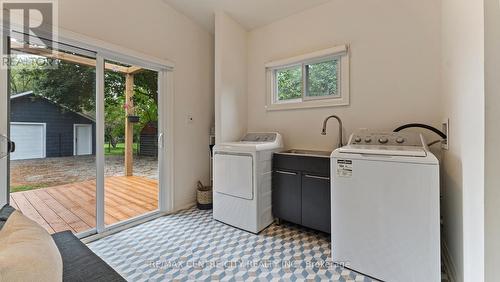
29, 139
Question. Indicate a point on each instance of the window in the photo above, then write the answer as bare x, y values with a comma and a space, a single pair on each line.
319, 79
322, 79
288, 83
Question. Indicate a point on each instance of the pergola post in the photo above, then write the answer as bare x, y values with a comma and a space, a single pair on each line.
129, 127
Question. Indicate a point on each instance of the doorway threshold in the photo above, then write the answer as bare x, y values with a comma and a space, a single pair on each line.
85, 237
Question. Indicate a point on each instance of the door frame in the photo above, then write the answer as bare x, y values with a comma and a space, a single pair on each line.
75, 142
108, 51
4, 126
44, 135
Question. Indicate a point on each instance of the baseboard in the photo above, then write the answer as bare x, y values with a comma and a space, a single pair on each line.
448, 264
184, 207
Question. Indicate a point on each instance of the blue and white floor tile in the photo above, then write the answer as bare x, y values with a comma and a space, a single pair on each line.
191, 246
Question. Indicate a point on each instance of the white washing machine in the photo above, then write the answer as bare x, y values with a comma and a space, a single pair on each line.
242, 181
385, 207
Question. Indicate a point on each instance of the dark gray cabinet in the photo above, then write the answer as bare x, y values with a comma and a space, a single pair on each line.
316, 202
301, 190
287, 195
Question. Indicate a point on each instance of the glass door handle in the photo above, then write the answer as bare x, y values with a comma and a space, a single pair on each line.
11, 146
160, 140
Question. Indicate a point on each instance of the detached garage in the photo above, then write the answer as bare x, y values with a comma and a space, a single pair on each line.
41, 128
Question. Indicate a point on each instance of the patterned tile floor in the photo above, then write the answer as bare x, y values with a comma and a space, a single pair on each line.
191, 246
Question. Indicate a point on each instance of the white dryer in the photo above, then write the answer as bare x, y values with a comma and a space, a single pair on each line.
242, 181
385, 207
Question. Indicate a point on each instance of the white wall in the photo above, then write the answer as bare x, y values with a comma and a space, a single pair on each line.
395, 67
411, 61
492, 156
153, 28
230, 79
463, 169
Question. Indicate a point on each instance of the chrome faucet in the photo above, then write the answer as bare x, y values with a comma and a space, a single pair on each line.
323, 132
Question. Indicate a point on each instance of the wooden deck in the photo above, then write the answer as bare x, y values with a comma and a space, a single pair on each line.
72, 206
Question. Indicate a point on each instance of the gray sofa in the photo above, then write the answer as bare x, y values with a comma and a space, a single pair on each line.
79, 262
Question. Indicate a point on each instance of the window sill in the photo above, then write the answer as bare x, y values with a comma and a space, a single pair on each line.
309, 104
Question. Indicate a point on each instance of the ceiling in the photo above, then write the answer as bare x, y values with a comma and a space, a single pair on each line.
249, 13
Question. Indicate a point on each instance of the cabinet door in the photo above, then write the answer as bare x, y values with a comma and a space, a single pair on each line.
286, 196
316, 212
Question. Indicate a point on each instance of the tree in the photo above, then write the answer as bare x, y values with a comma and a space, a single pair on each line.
322, 78
22, 78
114, 113
69, 84
289, 83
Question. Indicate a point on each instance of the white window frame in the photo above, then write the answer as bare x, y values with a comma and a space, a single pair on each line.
342, 97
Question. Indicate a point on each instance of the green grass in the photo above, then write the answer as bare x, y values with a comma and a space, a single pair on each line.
26, 187
118, 151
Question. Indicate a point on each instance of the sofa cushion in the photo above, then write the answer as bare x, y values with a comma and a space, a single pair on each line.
80, 263
28, 252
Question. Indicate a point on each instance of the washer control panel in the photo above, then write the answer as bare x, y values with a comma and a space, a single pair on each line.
259, 137
365, 137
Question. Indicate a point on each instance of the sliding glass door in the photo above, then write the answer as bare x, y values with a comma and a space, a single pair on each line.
52, 120
91, 153
131, 142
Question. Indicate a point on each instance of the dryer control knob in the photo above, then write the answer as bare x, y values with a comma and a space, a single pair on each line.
383, 140
368, 140
400, 140
357, 139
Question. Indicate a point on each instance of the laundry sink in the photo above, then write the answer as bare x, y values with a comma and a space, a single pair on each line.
312, 153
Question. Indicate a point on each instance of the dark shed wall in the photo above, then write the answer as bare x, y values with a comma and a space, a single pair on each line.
148, 145
149, 140
59, 123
